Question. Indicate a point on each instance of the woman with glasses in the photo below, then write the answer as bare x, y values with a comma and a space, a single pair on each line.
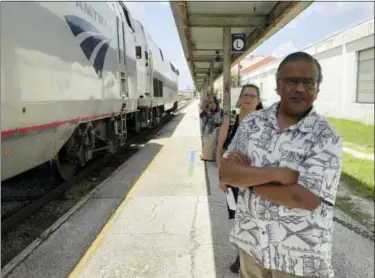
248, 102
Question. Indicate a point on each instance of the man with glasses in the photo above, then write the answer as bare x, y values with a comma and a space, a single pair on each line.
286, 160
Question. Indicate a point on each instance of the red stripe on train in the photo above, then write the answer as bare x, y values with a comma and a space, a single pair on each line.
54, 124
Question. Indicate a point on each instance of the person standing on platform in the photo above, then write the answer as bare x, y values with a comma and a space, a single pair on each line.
213, 118
204, 112
210, 132
286, 161
248, 102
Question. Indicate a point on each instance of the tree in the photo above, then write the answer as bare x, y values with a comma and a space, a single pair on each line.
234, 80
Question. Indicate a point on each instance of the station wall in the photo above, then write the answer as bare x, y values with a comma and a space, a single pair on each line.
347, 60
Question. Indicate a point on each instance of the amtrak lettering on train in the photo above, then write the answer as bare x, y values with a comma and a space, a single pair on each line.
91, 12
56, 110
93, 41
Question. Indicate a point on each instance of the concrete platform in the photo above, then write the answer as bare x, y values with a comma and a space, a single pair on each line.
167, 218
167, 225
165, 228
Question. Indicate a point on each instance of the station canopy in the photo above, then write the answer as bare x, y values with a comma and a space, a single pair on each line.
200, 28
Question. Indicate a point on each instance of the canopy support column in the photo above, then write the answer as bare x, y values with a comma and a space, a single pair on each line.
227, 80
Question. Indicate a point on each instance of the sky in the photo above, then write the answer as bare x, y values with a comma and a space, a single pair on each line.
319, 20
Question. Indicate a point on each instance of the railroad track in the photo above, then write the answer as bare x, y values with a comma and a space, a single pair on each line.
88, 179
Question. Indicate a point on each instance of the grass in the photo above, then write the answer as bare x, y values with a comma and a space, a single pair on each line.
356, 135
358, 174
358, 177
346, 204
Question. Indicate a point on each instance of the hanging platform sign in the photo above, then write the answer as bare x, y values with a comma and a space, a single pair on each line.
238, 43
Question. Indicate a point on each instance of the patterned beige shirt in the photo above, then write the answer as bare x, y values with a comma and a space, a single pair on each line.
295, 241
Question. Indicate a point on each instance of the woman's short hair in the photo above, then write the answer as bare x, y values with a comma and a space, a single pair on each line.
256, 88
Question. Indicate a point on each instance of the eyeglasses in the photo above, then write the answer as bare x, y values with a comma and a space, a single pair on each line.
249, 96
308, 83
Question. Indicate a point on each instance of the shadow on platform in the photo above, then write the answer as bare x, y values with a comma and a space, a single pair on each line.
171, 126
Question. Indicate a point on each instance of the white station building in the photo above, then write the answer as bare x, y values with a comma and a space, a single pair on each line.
347, 60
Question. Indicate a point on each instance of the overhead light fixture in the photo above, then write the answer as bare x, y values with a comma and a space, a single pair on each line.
217, 59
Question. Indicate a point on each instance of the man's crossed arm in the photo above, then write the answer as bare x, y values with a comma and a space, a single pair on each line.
275, 184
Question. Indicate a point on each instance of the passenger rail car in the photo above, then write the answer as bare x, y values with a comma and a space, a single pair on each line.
157, 83
72, 85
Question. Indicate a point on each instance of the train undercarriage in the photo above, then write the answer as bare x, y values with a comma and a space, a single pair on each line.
103, 136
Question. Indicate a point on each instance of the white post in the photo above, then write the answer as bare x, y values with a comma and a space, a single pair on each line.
212, 78
227, 80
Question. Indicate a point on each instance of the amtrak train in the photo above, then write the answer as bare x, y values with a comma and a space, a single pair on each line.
76, 77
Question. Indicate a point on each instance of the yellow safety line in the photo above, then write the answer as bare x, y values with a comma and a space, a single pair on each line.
83, 261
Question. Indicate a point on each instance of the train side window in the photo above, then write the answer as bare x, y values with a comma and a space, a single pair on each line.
146, 58
156, 87
160, 89
138, 52
161, 54
126, 13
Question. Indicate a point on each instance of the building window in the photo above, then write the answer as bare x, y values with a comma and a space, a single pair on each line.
365, 79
